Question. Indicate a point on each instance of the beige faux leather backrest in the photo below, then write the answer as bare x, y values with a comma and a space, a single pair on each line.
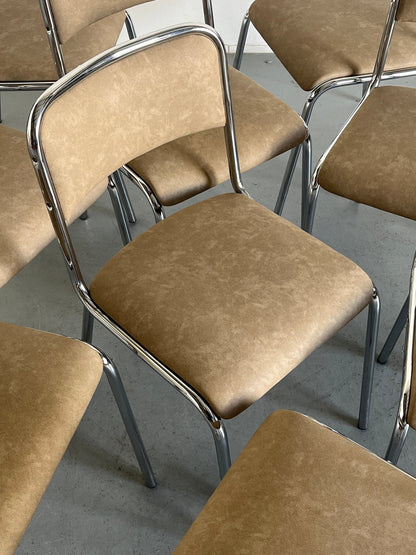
128, 108
73, 15
407, 10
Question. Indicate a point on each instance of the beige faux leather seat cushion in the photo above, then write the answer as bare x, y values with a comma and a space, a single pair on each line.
46, 383
25, 54
265, 127
374, 162
25, 227
230, 296
317, 40
298, 487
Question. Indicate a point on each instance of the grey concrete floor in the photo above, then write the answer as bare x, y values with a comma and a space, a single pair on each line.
96, 502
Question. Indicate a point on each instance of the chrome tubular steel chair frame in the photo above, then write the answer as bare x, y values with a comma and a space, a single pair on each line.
311, 195
317, 92
401, 426
215, 423
127, 415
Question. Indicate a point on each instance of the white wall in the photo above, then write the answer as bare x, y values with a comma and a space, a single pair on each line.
227, 15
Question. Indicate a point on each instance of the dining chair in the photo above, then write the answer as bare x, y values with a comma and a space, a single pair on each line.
223, 298
46, 384
265, 127
326, 45
299, 487
381, 130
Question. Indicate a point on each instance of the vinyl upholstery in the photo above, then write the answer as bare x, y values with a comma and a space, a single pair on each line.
71, 17
298, 487
25, 227
373, 161
46, 383
128, 102
407, 10
265, 127
24, 47
316, 40
230, 296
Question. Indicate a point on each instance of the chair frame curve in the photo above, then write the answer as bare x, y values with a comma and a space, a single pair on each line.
52, 202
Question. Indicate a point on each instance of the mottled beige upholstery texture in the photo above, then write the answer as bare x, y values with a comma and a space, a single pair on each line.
71, 17
300, 488
230, 296
265, 127
46, 383
407, 10
25, 227
24, 47
373, 161
161, 92
317, 40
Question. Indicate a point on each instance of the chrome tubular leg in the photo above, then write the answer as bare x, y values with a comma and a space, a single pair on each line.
241, 41
84, 215
369, 360
306, 177
397, 441
124, 196
129, 422
310, 206
394, 335
293, 158
87, 326
119, 212
128, 22
222, 447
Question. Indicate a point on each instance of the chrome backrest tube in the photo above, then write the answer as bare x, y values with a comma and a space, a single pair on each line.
53, 37
40, 164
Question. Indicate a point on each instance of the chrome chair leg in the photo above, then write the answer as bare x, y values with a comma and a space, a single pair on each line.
310, 205
222, 447
129, 421
87, 326
395, 332
119, 211
242, 37
397, 441
124, 196
306, 176
369, 360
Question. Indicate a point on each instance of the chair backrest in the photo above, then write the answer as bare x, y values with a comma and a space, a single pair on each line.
71, 17
406, 11
128, 101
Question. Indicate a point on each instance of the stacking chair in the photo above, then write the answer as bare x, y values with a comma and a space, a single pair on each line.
298, 487
46, 384
325, 45
182, 168
381, 130
223, 298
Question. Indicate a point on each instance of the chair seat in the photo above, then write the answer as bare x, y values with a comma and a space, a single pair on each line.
298, 487
25, 227
46, 383
373, 161
265, 127
317, 41
24, 47
214, 289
